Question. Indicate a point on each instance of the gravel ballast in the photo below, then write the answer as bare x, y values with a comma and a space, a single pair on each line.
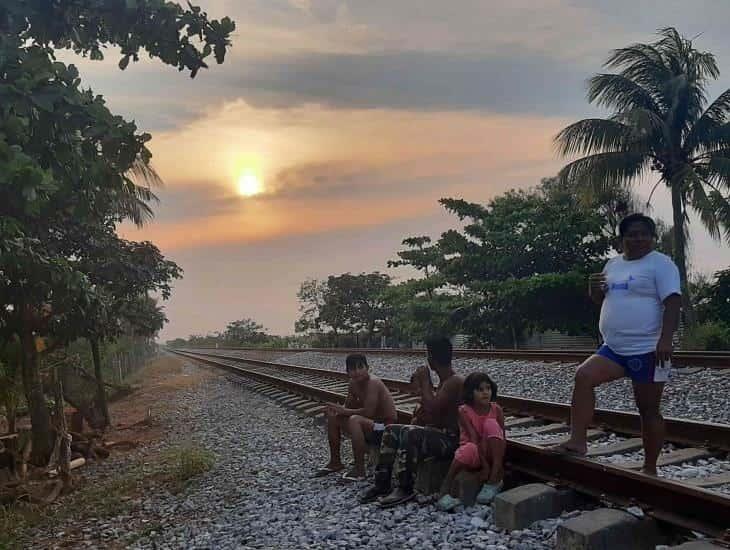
259, 493
695, 394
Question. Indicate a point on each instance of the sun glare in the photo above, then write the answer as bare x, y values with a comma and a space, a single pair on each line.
249, 185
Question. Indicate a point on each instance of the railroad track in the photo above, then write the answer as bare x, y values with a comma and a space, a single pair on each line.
706, 359
532, 425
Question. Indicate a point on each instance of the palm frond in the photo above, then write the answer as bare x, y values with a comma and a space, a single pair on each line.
700, 202
721, 204
593, 135
718, 169
712, 127
598, 173
616, 91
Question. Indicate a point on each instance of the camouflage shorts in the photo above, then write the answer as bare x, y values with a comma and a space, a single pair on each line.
404, 445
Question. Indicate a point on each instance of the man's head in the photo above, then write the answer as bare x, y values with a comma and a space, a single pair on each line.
638, 234
356, 366
440, 351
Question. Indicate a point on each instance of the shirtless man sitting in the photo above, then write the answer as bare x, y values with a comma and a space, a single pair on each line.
369, 407
434, 431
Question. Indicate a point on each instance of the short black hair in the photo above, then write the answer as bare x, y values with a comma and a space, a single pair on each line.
440, 350
472, 383
354, 361
623, 227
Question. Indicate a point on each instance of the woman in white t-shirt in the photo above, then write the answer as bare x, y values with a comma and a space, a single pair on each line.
639, 293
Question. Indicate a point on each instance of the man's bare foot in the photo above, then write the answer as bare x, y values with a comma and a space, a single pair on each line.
649, 471
329, 468
569, 448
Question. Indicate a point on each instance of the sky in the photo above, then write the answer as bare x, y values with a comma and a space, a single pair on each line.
352, 118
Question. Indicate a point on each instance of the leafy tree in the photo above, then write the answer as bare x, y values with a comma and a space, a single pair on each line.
66, 161
311, 301
422, 256
344, 304
661, 123
244, 331
522, 260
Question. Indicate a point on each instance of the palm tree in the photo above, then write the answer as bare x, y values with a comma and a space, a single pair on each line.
660, 123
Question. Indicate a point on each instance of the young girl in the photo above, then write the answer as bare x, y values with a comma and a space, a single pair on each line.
482, 443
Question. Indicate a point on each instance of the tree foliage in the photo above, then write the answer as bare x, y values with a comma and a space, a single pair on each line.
70, 170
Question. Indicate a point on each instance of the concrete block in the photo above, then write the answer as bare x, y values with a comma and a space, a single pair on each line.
608, 529
524, 505
430, 475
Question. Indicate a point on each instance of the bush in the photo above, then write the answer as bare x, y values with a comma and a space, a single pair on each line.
709, 336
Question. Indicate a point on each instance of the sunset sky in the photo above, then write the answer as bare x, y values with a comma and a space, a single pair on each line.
355, 117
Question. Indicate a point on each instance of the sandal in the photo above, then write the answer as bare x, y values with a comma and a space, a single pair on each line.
327, 470
447, 503
488, 492
352, 475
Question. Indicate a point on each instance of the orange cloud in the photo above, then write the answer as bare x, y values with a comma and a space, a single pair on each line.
330, 169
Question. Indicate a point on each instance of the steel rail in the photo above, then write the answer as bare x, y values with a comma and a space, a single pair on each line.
706, 359
684, 432
682, 505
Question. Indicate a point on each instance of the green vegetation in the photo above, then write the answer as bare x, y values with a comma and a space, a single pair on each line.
70, 172
189, 461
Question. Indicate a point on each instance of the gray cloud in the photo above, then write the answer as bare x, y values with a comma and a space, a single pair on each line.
192, 202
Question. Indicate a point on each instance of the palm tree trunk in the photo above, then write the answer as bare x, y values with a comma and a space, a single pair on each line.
680, 253
100, 390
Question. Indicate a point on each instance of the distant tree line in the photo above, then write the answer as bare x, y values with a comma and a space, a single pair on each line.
515, 266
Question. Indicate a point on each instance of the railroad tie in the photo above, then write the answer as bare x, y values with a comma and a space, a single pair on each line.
591, 435
617, 448
667, 459
522, 422
712, 481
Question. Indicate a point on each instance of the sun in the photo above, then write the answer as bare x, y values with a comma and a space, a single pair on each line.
249, 184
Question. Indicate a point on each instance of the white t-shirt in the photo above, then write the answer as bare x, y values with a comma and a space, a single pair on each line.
631, 314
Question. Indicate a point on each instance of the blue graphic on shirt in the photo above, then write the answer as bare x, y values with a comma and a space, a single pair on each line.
622, 285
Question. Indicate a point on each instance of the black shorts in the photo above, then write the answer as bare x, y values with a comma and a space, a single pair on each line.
374, 437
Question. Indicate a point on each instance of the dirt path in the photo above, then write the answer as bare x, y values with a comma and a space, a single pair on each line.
148, 462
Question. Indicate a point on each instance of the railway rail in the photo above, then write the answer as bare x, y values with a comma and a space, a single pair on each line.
688, 358
691, 505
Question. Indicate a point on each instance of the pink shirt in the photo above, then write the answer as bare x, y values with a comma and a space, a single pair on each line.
485, 425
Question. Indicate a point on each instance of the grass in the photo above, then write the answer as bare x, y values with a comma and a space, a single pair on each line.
188, 461
107, 497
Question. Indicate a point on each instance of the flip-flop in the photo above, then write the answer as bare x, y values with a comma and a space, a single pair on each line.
326, 470
488, 492
385, 503
351, 475
447, 503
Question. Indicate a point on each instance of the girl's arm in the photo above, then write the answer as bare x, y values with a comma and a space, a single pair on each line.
467, 433
500, 418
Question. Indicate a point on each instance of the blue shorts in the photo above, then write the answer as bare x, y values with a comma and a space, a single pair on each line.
640, 368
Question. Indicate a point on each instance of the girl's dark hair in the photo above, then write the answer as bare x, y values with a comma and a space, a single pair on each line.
636, 218
472, 383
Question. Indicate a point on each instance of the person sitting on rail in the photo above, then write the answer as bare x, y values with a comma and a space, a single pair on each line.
639, 293
481, 443
434, 431
369, 407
